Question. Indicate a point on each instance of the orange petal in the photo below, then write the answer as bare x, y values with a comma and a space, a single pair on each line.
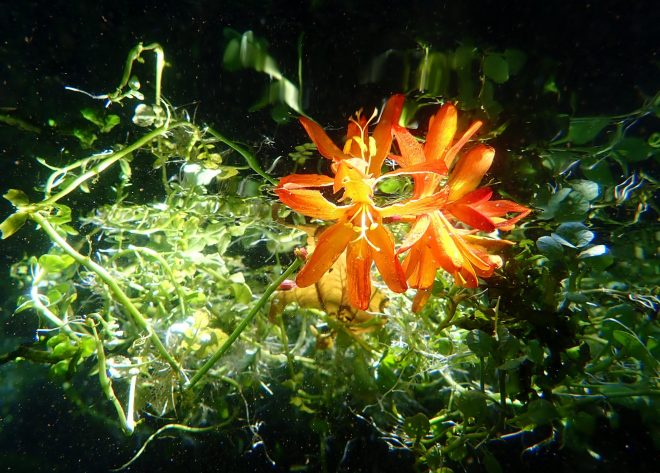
470, 216
329, 247
420, 300
383, 131
450, 256
499, 208
469, 171
311, 203
420, 266
299, 181
416, 232
386, 261
477, 258
487, 243
412, 151
423, 167
453, 151
358, 261
442, 128
323, 143
478, 195
424, 205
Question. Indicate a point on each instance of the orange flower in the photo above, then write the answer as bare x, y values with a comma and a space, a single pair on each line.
359, 228
434, 240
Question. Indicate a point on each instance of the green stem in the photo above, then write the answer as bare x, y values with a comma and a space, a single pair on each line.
134, 55
106, 163
246, 321
112, 284
249, 157
106, 382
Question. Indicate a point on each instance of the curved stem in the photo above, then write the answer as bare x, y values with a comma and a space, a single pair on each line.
246, 321
249, 157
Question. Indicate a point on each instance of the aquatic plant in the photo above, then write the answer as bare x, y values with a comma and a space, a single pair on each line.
433, 240
159, 291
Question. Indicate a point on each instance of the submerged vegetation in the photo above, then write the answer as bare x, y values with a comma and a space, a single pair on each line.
181, 305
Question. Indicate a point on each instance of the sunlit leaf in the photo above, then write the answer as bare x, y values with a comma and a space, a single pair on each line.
92, 115
12, 224
594, 251
110, 122
55, 263
18, 198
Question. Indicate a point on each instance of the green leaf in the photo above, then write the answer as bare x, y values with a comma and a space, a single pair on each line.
17, 197
597, 250
480, 343
599, 172
565, 205
541, 412
512, 364
516, 60
110, 122
632, 150
55, 263
654, 140
496, 68
472, 404
60, 369
492, 106
633, 346
416, 426
12, 224
66, 349
433, 74
582, 130
241, 291
550, 247
574, 234
589, 189
534, 351
56, 340
491, 464
92, 116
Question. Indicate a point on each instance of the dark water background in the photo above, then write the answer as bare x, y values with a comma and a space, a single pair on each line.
606, 52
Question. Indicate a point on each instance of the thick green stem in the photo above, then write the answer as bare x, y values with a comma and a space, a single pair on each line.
112, 284
246, 321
